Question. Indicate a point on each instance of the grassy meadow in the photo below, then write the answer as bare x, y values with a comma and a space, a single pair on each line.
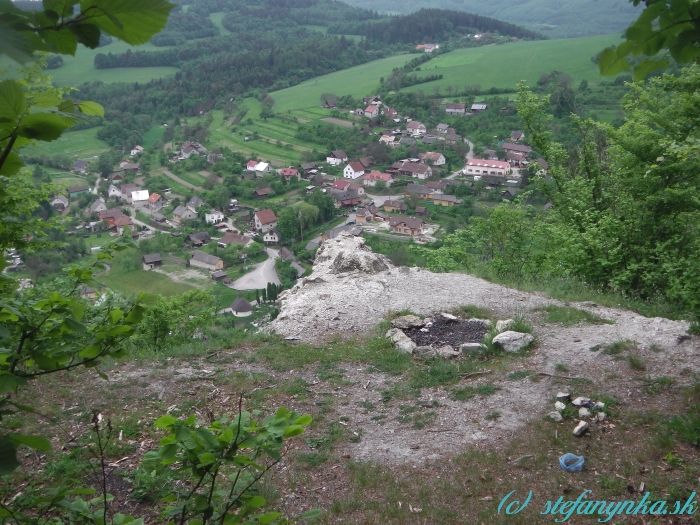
79, 69
83, 144
358, 81
505, 65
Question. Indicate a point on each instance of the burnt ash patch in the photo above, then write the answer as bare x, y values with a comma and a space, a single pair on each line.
447, 332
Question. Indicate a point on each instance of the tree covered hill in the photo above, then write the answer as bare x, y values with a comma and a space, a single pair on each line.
554, 18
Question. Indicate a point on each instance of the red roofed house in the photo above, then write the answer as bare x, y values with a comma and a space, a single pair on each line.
371, 111
371, 178
289, 173
156, 202
354, 170
487, 167
119, 223
340, 184
265, 220
432, 157
251, 165
391, 113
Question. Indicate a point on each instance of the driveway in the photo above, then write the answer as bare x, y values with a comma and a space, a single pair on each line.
263, 273
470, 155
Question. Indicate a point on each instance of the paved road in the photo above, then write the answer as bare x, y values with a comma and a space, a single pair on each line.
470, 155
350, 218
264, 273
183, 182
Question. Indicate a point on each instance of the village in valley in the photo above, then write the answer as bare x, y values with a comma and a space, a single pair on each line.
267, 235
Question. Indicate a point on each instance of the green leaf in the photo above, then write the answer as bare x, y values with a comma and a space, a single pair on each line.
87, 34
200, 502
166, 421
311, 514
44, 126
12, 103
206, 459
36, 442
4, 332
133, 21
90, 351
646, 66
74, 325
10, 383
92, 109
45, 99
268, 517
8, 456
255, 502
304, 420
62, 41
12, 163
293, 430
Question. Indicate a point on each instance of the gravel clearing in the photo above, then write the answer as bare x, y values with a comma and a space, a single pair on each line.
444, 332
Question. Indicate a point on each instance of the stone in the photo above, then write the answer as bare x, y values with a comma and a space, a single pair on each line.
563, 395
502, 326
424, 330
581, 428
405, 347
600, 404
448, 352
391, 333
555, 416
407, 321
584, 412
448, 317
511, 341
424, 351
559, 406
485, 322
580, 401
601, 416
468, 348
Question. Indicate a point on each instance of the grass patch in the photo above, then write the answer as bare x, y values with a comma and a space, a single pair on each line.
568, 316
637, 362
83, 143
472, 311
464, 393
617, 347
520, 374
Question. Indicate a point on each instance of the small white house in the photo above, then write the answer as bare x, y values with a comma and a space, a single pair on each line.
114, 192
483, 167
337, 157
213, 217
139, 198
354, 170
272, 236
136, 150
262, 168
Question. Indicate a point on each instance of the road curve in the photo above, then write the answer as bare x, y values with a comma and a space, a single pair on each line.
263, 273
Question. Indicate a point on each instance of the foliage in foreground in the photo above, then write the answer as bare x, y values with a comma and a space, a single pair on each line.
625, 215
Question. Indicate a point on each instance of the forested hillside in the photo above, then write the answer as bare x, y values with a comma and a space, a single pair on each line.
263, 46
554, 18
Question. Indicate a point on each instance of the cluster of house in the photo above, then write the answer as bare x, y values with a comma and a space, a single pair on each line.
417, 131
190, 148
428, 48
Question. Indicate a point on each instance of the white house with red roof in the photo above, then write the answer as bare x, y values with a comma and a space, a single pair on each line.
482, 167
354, 170
391, 113
251, 165
371, 178
372, 111
265, 220
432, 157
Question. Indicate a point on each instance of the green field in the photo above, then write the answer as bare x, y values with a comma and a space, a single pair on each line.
505, 65
137, 281
79, 69
69, 181
358, 81
270, 131
216, 18
83, 144
152, 136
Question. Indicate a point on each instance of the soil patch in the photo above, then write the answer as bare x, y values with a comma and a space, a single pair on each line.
337, 122
447, 332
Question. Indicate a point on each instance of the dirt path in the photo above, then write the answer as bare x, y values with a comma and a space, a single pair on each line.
337, 122
257, 279
178, 179
209, 175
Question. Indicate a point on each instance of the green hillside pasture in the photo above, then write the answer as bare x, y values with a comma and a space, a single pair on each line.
175, 187
83, 144
192, 178
216, 19
80, 68
153, 136
266, 146
503, 66
69, 181
137, 281
356, 81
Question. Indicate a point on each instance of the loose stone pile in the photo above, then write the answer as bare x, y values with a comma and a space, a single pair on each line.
587, 409
441, 334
